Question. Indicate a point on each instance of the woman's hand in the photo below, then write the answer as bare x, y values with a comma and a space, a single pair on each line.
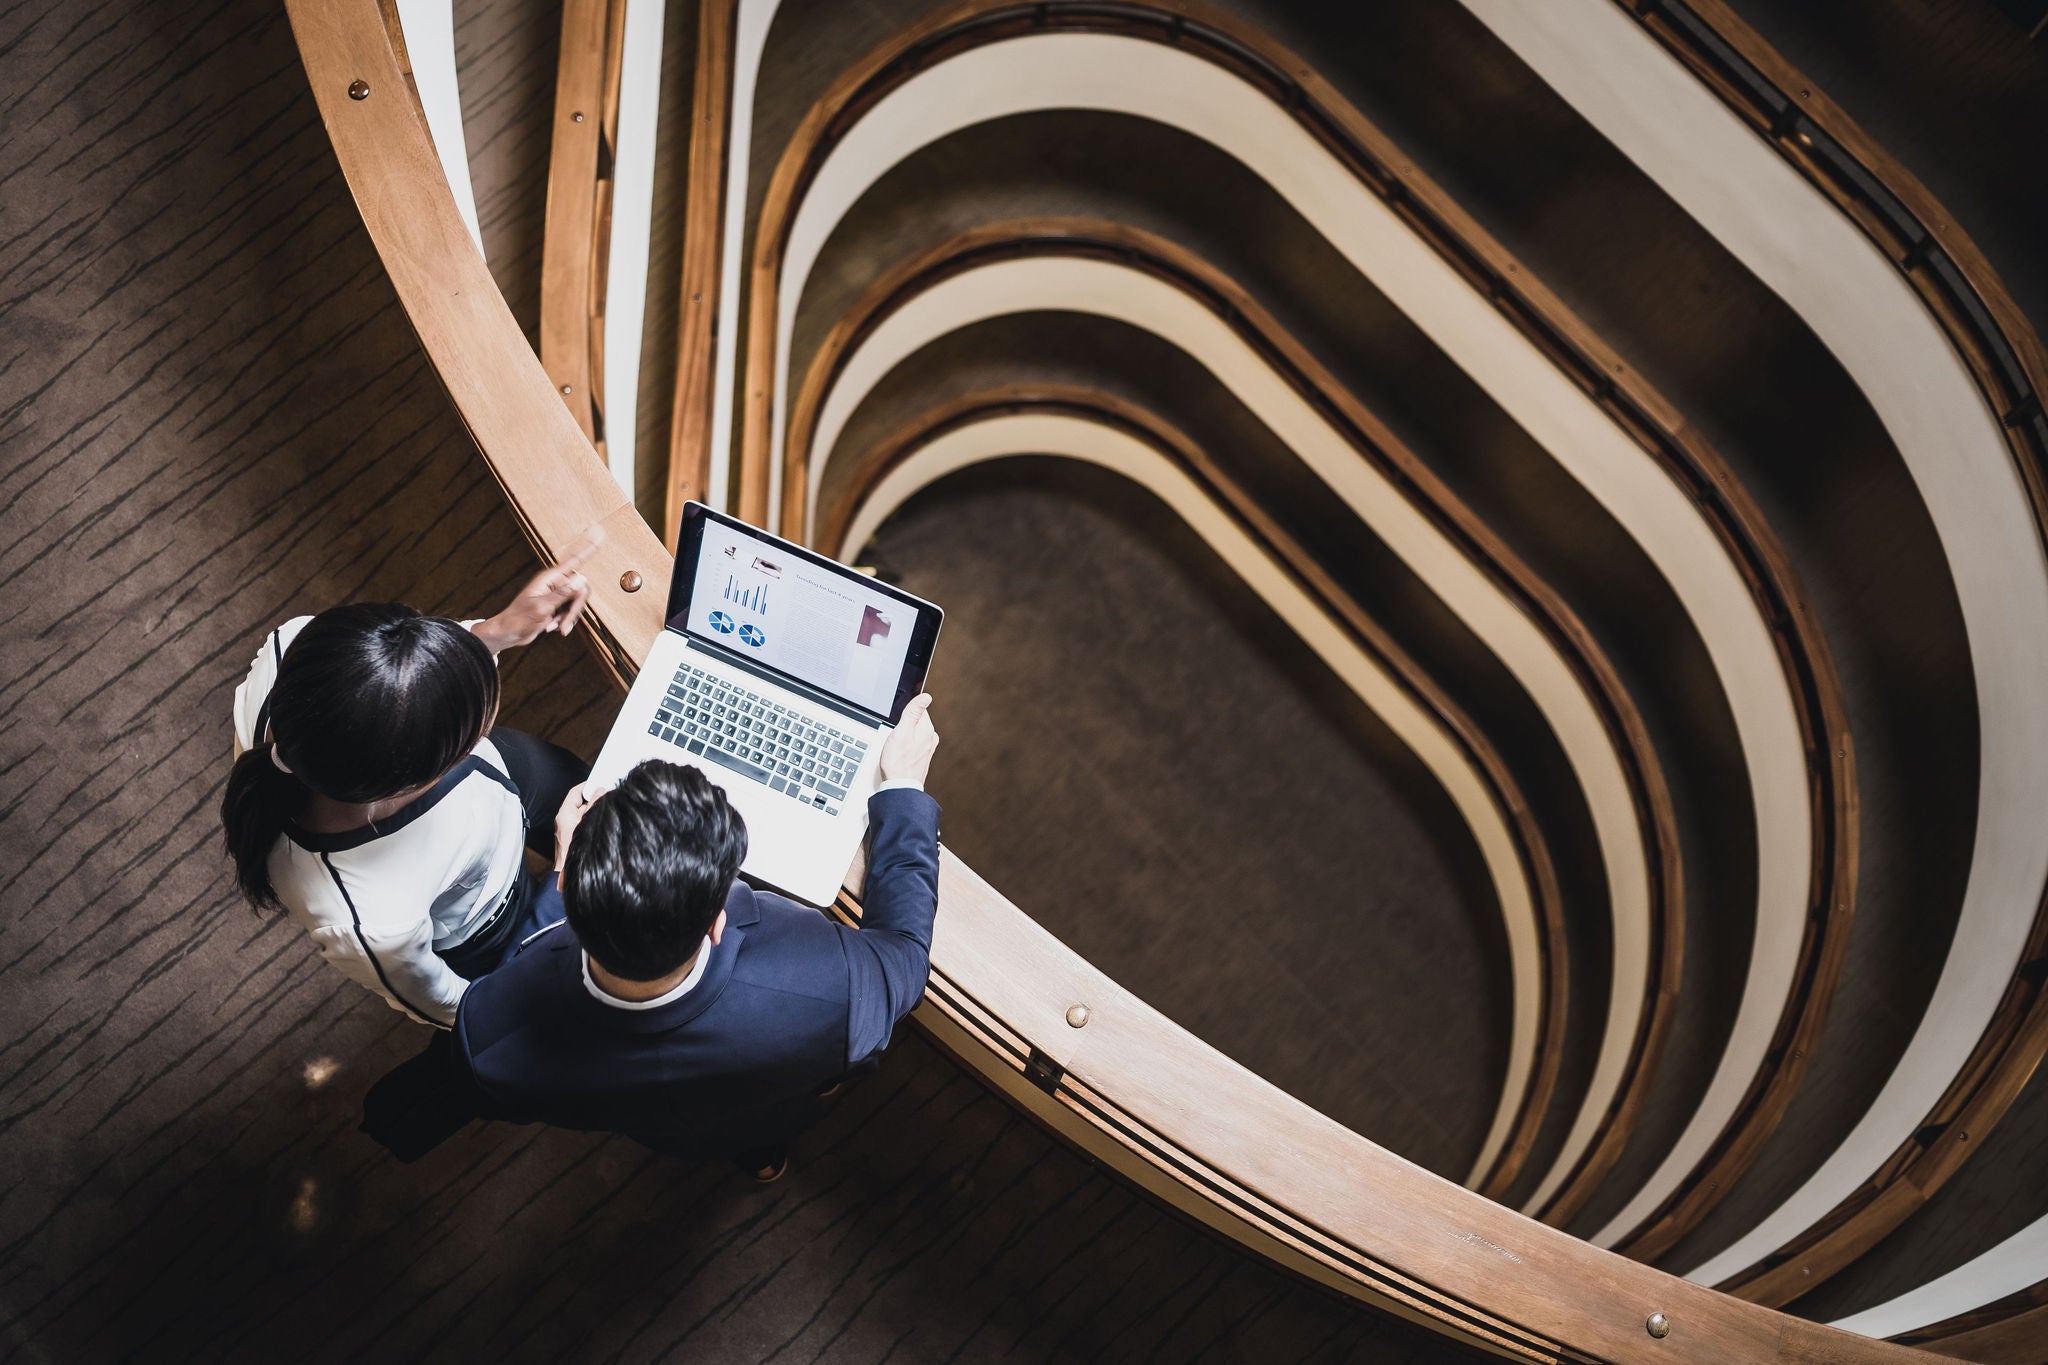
552, 602
571, 815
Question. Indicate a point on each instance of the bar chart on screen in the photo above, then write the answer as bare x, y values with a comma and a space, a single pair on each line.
753, 599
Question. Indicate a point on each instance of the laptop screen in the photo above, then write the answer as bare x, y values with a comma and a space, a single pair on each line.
769, 603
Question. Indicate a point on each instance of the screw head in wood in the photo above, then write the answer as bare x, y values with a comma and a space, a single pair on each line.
359, 90
567, 389
630, 580
1658, 1326
575, 118
1077, 1016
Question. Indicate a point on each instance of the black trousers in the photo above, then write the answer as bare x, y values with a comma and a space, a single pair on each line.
543, 773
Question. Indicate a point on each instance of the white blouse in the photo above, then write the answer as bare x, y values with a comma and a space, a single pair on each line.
378, 901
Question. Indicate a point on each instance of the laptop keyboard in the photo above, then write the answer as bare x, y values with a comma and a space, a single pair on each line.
711, 717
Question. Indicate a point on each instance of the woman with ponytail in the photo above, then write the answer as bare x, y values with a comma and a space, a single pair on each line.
374, 802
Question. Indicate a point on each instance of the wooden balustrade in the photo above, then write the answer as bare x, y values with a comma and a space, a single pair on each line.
1634, 405
578, 223
2005, 355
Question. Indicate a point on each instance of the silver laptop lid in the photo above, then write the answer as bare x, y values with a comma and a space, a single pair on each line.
778, 610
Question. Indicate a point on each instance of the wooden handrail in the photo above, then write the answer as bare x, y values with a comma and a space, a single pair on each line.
1627, 397
1378, 445
576, 233
2006, 357
689, 454
2011, 1331
1134, 1089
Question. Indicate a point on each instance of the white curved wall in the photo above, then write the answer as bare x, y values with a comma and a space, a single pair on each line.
632, 222
2019, 1262
1148, 80
1814, 258
750, 36
429, 29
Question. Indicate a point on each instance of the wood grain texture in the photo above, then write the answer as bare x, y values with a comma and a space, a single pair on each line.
689, 454
2012, 1331
572, 253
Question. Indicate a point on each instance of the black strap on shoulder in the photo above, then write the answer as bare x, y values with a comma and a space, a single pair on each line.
314, 842
490, 770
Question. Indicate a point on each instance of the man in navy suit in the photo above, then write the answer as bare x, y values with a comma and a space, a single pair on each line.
679, 1006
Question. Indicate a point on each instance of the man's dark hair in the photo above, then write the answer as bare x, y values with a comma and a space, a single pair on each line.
649, 868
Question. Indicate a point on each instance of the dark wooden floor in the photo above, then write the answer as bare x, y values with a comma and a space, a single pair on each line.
212, 414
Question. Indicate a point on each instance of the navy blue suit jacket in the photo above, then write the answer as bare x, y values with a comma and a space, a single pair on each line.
790, 1003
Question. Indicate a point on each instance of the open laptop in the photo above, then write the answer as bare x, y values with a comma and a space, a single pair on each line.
780, 674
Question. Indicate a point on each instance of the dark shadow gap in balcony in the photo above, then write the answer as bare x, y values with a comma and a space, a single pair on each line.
505, 55
1159, 772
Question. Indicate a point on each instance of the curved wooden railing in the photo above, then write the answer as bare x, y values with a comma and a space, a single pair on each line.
1375, 443
1125, 1084
2009, 1331
1629, 400
689, 456
577, 233
2005, 355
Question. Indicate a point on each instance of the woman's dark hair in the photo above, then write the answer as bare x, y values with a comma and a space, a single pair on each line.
370, 700
649, 869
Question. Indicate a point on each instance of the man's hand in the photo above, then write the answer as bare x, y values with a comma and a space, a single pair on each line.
571, 815
552, 602
908, 754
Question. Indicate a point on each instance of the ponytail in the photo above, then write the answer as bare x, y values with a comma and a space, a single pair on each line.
259, 799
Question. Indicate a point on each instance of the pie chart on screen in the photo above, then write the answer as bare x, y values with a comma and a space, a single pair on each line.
751, 635
721, 623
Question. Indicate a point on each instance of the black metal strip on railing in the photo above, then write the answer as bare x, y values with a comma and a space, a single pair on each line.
1913, 246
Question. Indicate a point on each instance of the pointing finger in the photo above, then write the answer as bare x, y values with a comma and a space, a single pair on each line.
583, 549
577, 605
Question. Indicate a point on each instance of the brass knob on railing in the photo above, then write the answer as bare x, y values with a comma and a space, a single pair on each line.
359, 90
1077, 1016
630, 580
1658, 1326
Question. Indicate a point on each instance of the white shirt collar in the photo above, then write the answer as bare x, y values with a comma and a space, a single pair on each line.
668, 997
